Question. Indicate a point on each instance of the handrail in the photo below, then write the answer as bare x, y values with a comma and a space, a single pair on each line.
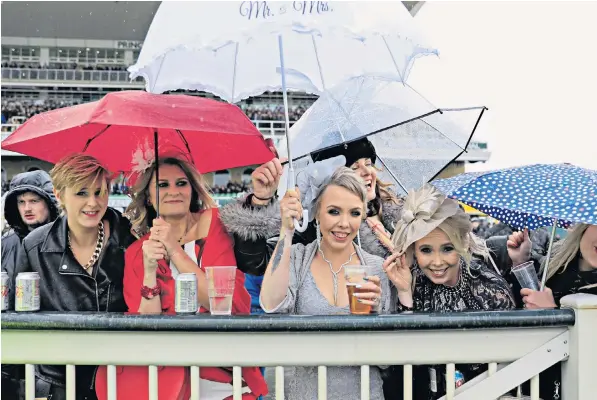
70, 75
81, 321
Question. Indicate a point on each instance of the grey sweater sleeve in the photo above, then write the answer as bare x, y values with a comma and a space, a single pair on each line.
298, 266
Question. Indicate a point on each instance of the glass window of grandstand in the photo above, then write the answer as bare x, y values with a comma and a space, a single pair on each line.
20, 53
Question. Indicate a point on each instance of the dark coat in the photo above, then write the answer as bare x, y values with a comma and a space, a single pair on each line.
65, 286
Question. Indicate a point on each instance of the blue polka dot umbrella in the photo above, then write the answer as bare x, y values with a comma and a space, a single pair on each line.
530, 196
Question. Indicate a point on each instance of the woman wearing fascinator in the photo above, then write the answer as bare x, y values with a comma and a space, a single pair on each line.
309, 279
186, 237
439, 265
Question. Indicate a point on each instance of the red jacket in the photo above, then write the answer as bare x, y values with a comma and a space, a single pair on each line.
217, 251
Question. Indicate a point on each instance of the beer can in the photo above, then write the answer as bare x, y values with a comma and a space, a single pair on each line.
27, 292
186, 294
458, 378
4, 305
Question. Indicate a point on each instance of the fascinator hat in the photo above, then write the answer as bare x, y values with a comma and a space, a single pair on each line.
143, 158
313, 179
424, 210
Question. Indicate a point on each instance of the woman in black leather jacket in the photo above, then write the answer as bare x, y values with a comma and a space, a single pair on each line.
79, 257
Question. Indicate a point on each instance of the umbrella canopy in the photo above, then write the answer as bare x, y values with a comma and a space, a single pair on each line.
214, 135
235, 49
413, 139
530, 196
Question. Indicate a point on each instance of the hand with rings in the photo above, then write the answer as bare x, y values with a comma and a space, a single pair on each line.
161, 232
372, 292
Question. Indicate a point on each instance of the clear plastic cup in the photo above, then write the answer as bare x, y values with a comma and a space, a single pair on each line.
526, 275
220, 289
355, 276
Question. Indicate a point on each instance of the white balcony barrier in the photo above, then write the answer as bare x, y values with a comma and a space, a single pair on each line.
517, 345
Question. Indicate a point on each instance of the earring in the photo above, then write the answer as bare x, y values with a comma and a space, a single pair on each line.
318, 232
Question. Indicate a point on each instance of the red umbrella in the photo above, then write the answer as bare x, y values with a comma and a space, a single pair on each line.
216, 135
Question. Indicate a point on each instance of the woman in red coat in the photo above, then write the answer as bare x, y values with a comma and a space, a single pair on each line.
187, 236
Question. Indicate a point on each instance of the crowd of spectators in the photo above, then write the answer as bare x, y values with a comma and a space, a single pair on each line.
29, 108
272, 113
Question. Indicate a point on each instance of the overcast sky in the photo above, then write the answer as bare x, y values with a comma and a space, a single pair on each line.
533, 64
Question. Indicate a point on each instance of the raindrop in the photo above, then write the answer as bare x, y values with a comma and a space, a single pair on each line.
90, 12
124, 20
134, 30
173, 105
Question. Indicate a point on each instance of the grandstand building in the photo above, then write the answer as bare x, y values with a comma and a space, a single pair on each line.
56, 54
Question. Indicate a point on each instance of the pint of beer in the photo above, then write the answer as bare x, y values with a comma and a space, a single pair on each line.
355, 276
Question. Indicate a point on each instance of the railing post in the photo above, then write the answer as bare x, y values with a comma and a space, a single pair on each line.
578, 372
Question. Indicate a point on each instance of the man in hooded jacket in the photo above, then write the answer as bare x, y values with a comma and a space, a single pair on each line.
29, 204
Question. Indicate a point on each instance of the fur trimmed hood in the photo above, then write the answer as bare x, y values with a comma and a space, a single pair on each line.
251, 223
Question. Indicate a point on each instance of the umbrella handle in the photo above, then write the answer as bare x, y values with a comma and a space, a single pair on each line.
303, 227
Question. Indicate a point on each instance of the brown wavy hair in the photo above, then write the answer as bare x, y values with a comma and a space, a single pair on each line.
142, 214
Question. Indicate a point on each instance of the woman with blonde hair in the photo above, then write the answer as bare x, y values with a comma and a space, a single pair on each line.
187, 236
309, 279
439, 265
572, 269
80, 258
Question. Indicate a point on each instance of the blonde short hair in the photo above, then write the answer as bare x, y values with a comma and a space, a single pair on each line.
347, 179
78, 170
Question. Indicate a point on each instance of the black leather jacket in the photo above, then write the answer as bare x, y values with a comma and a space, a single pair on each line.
64, 284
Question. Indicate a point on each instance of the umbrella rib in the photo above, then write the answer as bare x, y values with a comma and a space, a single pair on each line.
234, 72
475, 127
186, 143
404, 122
393, 59
95, 137
373, 133
391, 173
155, 81
328, 95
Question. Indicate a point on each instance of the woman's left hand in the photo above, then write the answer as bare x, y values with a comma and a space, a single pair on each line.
533, 299
372, 295
162, 232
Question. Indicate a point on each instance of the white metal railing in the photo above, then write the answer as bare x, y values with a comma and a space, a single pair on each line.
516, 345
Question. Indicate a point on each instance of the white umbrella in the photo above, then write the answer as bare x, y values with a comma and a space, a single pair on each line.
237, 49
234, 49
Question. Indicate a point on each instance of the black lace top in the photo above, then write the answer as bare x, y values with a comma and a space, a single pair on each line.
479, 287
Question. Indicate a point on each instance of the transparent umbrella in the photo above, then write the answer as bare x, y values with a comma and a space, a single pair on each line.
414, 140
